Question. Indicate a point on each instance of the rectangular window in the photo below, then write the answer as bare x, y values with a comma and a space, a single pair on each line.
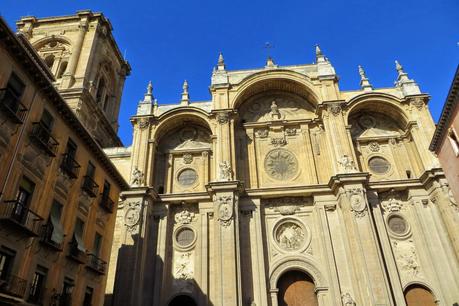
88, 296
66, 295
78, 235
56, 232
71, 149
37, 286
97, 244
91, 170
23, 198
6, 262
10, 97
454, 140
106, 191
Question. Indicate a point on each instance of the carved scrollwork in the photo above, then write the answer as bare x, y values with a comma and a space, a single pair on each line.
290, 131
188, 158
286, 205
184, 266
262, 133
278, 141
144, 123
374, 146
184, 217
335, 109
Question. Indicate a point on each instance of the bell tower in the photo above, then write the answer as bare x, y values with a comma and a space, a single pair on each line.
88, 67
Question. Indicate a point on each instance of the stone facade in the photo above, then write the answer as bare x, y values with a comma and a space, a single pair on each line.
58, 189
88, 67
284, 171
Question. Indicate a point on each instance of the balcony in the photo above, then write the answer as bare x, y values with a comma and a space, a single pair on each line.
41, 136
96, 264
11, 106
46, 237
70, 166
107, 203
76, 253
90, 186
13, 285
18, 216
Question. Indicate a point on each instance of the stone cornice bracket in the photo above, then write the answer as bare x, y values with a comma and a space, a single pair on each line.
340, 180
140, 192
418, 101
225, 186
223, 116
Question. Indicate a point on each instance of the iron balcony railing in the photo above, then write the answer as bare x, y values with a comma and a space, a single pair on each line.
90, 186
20, 216
42, 137
46, 237
70, 166
11, 106
107, 203
13, 285
96, 264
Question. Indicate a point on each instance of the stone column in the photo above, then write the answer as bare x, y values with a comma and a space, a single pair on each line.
225, 195
372, 287
69, 76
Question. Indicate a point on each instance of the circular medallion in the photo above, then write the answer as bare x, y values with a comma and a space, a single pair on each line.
188, 134
187, 177
131, 217
290, 236
379, 165
184, 236
397, 224
281, 164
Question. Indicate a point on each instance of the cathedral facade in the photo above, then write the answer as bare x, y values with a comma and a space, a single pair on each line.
285, 190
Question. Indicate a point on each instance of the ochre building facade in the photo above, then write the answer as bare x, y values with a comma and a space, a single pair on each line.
58, 190
285, 190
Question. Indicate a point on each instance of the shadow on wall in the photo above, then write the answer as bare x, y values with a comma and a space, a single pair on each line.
181, 291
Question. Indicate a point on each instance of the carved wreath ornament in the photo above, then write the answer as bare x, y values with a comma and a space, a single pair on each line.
358, 205
281, 164
132, 216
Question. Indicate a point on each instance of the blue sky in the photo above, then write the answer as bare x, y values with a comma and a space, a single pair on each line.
169, 41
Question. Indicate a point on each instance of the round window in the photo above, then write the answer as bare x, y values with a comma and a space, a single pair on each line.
397, 224
187, 177
184, 237
379, 165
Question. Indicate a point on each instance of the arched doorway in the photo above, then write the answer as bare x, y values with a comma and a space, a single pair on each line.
417, 295
182, 300
296, 289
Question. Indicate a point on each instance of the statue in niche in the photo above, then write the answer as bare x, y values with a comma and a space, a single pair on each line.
275, 114
225, 173
137, 177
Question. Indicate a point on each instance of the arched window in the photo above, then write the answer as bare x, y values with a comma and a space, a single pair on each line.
417, 295
62, 69
296, 289
100, 91
49, 61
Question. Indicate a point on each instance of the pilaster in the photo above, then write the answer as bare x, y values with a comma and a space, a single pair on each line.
227, 263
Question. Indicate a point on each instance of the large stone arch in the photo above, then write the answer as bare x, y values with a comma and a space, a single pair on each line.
42, 41
278, 79
167, 120
301, 263
384, 102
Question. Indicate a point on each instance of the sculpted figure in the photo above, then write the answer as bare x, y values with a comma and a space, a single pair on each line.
137, 177
275, 114
225, 171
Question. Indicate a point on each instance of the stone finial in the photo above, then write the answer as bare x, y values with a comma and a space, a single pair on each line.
149, 89
320, 57
364, 82
145, 105
185, 95
221, 62
408, 86
270, 63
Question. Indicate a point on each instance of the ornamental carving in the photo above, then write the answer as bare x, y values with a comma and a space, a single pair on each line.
290, 236
418, 103
290, 131
225, 209
144, 123
225, 173
374, 146
287, 205
390, 203
405, 255
184, 217
137, 177
281, 164
347, 299
132, 216
222, 118
358, 204
278, 142
335, 109
346, 164
262, 133
187, 158
184, 266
